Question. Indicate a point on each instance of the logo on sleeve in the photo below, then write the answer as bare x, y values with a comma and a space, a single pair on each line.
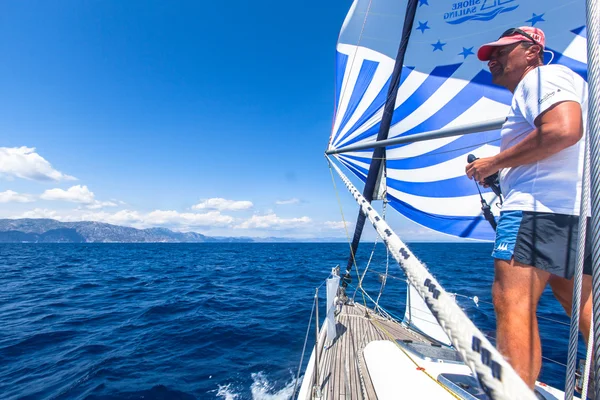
502, 247
548, 96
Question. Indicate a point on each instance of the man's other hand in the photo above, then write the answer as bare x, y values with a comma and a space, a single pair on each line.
481, 169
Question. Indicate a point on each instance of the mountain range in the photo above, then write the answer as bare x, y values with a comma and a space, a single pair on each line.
44, 230
52, 231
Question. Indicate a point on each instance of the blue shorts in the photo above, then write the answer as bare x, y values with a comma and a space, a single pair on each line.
543, 240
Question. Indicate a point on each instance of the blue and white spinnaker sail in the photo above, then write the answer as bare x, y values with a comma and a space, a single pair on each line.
443, 84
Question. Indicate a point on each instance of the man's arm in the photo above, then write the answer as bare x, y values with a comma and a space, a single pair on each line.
559, 127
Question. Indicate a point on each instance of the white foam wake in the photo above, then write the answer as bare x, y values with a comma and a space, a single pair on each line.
261, 389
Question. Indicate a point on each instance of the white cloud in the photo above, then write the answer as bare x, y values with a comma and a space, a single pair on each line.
336, 224
272, 221
11, 196
101, 204
42, 213
74, 194
209, 219
290, 201
220, 204
24, 162
77, 194
122, 217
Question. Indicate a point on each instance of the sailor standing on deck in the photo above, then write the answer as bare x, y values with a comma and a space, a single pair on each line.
540, 164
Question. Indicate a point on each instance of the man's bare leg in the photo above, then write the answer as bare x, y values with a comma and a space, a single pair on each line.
516, 291
563, 291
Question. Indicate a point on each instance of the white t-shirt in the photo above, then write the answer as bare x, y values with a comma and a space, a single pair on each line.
554, 183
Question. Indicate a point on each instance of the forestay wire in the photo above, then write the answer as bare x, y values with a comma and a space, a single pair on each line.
496, 376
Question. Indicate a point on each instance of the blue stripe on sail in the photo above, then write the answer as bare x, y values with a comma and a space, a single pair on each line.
432, 83
578, 67
356, 170
581, 31
365, 76
453, 187
463, 100
340, 68
467, 227
462, 145
377, 103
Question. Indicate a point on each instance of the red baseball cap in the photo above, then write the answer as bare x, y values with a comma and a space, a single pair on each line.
513, 35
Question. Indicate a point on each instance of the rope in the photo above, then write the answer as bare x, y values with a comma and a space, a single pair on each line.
593, 131
576, 302
496, 376
304, 349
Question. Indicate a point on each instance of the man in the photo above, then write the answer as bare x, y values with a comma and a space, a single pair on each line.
540, 164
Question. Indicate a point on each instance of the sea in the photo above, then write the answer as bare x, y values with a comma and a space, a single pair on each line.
206, 320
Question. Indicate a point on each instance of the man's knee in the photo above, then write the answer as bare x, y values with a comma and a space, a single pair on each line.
508, 299
517, 287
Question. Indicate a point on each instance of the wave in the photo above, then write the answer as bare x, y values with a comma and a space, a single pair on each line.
261, 389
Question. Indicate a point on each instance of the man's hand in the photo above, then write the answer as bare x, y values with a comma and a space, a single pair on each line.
481, 169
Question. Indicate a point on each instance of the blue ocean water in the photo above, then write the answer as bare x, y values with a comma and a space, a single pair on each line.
198, 321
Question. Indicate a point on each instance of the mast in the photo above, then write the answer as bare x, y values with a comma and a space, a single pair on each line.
377, 165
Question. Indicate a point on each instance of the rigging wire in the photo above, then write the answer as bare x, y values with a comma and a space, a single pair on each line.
387, 251
304, 347
337, 194
373, 251
366, 269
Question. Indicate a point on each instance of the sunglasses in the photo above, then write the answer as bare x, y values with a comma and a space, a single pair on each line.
514, 31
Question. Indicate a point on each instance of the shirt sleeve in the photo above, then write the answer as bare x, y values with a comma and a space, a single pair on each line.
542, 88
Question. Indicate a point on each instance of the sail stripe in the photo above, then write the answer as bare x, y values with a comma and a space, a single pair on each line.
374, 107
431, 84
459, 186
410, 83
581, 31
465, 99
359, 172
341, 62
463, 206
461, 145
471, 227
365, 77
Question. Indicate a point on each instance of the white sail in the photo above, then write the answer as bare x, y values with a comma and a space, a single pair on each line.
443, 84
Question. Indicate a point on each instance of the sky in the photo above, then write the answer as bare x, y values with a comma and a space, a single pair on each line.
210, 117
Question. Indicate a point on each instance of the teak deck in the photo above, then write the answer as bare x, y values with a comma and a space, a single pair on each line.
342, 370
